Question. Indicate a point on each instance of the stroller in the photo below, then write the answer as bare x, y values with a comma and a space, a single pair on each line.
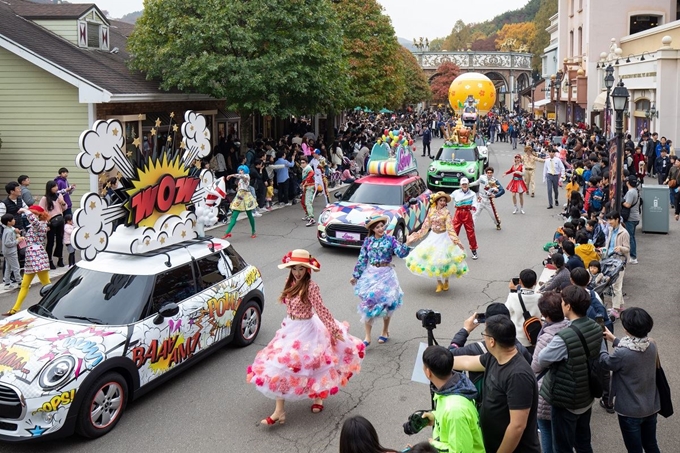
611, 268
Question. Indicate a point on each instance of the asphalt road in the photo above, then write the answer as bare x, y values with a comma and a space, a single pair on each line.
210, 408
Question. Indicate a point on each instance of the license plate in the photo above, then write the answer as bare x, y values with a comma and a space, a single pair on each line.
454, 180
348, 236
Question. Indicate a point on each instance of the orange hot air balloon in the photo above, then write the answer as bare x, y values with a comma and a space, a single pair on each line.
472, 83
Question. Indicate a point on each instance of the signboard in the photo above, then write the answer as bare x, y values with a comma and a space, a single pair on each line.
154, 212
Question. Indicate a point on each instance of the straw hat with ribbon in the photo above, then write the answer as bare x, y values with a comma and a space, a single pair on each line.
439, 195
300, 257
375, 219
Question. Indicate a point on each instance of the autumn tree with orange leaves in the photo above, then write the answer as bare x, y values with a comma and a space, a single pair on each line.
441, 81
515, 37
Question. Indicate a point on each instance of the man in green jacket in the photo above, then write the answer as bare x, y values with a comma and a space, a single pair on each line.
455, 419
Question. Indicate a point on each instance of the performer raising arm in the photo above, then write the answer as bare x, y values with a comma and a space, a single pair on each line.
517, 184
465, 201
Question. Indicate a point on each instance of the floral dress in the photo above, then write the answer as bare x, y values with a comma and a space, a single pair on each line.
439, 255
244, 200
36, 256
301, 362
377, 284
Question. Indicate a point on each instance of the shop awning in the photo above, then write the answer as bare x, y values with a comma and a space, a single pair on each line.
541, 103
600, 101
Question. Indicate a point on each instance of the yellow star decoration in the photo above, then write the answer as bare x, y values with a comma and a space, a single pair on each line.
93, 205
165, 227
115, 132
147, 242
87, 235
172, 114
139, 116
182, 145
102, 240
162, 241
97, 155
158, 122
202, 147
169, 138
153, 131
205, 134
184, 233
191, 128
129, 154
175, 128
136, 142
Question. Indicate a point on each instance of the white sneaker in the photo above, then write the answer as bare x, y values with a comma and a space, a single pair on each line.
288, 204
310, 222
474, 255
522, 211
633, 261
256, 214
514, 211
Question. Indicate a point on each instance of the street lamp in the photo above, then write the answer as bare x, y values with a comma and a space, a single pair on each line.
558, 80
608, 83
652, 113
620, 97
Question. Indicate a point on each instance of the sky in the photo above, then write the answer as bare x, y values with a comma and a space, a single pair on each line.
410, 18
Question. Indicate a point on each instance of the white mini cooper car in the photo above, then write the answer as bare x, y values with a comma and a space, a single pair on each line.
113, 327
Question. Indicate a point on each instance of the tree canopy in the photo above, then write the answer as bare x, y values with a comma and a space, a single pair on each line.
516, 37
415, 80
441, 80
276, 57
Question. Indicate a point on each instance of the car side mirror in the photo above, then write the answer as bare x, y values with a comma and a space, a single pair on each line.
45, 290
413, 201
166, 311
337, 195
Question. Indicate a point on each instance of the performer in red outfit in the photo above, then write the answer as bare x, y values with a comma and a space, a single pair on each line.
517, 185
465, 201
312, 355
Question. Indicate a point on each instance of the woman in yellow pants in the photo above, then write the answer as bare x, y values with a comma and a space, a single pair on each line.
37, 261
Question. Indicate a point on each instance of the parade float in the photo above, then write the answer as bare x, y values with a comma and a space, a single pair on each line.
464, 153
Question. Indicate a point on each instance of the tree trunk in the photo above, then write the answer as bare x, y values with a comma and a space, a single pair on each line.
246, 132
330, 129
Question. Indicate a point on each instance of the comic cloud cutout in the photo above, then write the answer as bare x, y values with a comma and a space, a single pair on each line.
196, 137
94, 224
168, 229
101, 148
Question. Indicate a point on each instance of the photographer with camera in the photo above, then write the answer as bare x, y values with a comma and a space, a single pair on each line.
455, 420
510, 394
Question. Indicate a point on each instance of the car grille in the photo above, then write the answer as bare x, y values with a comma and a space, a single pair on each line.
452, 174
334, 228
8, 426
10, 403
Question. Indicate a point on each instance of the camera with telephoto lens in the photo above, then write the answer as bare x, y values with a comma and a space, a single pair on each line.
416, 422
429, 318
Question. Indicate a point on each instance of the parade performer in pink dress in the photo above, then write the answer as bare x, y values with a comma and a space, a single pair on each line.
374, 279
441, 254
465, 201
517, 185
312, 355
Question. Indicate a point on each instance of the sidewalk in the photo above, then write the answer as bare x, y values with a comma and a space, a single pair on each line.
54, 274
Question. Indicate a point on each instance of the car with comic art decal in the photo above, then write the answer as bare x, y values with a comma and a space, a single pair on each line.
403, 199
99, 339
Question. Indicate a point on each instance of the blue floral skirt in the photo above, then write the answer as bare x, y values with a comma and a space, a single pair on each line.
380, 293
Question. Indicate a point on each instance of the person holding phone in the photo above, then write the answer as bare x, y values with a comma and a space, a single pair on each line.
527, 290
65, 189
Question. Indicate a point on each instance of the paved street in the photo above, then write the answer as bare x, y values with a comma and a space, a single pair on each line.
210, 408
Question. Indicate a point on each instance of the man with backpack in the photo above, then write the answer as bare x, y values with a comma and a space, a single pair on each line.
522, 303
572, 383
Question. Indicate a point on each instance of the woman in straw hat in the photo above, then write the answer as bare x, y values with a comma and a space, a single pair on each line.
37, 261
376, 282
312, 355
441, 254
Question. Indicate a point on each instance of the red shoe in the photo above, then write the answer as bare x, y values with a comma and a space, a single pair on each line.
253, 235
272, 421
226, 236
316, 408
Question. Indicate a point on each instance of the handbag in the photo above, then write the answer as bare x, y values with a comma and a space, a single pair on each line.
672, 183
664, 390
57, 222
532, 325
625, 212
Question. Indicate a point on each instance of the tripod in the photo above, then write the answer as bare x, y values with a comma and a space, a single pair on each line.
431, 341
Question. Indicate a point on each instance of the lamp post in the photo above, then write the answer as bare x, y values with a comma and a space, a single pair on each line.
651, 114
558, 80
608, 83
620, 97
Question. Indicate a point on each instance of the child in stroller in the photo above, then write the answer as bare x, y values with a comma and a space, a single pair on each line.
609, 270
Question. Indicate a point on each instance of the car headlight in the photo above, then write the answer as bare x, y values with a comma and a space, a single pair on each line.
57, 372
323, 218
471, 170
431, 169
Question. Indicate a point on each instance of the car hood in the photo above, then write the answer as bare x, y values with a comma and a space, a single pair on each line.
28, 343
357, 213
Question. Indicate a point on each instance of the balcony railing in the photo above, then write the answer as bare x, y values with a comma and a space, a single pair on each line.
470, 60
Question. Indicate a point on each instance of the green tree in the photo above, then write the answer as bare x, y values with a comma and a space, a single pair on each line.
275, 57
415, 80
372, 51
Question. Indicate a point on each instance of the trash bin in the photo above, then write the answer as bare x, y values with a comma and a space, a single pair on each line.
655, 202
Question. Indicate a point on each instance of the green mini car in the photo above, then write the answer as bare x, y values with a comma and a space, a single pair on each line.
454, 162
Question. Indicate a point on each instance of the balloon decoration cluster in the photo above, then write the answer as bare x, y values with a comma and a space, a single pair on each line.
396, 138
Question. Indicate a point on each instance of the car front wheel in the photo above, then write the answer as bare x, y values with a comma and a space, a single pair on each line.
248, 325
399, 234
103, 406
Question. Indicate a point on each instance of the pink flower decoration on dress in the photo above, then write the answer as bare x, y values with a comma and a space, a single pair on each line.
259, 382
334, 390
297, 344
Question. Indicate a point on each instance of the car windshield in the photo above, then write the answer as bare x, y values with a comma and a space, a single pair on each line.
95, 297
459, 154
373, 194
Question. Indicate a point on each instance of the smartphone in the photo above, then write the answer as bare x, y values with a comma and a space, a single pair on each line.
480, 318
515, 281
